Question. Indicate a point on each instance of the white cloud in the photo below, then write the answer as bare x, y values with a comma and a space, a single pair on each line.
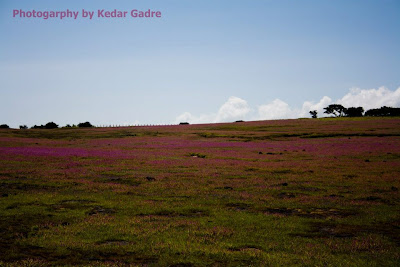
277, 109
236, 108
184, 117
319, 107
233, 109
371, 98
188, 117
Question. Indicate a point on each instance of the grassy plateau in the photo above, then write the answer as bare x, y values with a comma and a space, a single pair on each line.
306, 192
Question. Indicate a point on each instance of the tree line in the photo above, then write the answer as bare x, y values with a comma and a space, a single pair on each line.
52, 125
334, 109
340, 111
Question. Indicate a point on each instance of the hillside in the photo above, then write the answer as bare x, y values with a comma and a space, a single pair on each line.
267, 193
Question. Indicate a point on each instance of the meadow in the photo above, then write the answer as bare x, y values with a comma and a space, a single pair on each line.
305, 192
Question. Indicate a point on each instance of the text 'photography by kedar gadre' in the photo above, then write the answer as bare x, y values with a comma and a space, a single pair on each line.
87, 14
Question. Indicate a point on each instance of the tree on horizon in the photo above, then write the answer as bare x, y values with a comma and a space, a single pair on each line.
336, 109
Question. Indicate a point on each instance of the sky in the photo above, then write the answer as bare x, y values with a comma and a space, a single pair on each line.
201, 61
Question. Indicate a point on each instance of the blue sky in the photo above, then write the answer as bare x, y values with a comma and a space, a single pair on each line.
193, 59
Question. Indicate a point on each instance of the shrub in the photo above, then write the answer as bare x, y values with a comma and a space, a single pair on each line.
51, 125
335, 109
383, 111
313, 114
4, 126
354, 112
37, 127
85, 124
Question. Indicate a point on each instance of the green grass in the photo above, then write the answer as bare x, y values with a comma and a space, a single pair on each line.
322, 192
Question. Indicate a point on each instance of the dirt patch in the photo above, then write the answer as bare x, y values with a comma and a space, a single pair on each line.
116, 242
240, 206
376, 199
225, 187
328, 230
27, 204
335, 196
253, 248
71, 204
309, 189
350, 176
18, 187
119, 180
182, 264
13, 228
283, 171
390, 229
371, 198
79, 256
197, 155
315, 213
100, 210
285, 195
182, 213
150, 179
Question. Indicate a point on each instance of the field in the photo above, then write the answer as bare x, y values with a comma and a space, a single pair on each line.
306, 192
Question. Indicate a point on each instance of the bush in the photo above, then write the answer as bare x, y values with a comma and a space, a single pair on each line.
85, 124
51, 125
37, 127
383, 111
4, 126
354, 112
23, 127
313, 114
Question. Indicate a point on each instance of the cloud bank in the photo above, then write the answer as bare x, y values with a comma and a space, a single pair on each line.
236, 108
233, 109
